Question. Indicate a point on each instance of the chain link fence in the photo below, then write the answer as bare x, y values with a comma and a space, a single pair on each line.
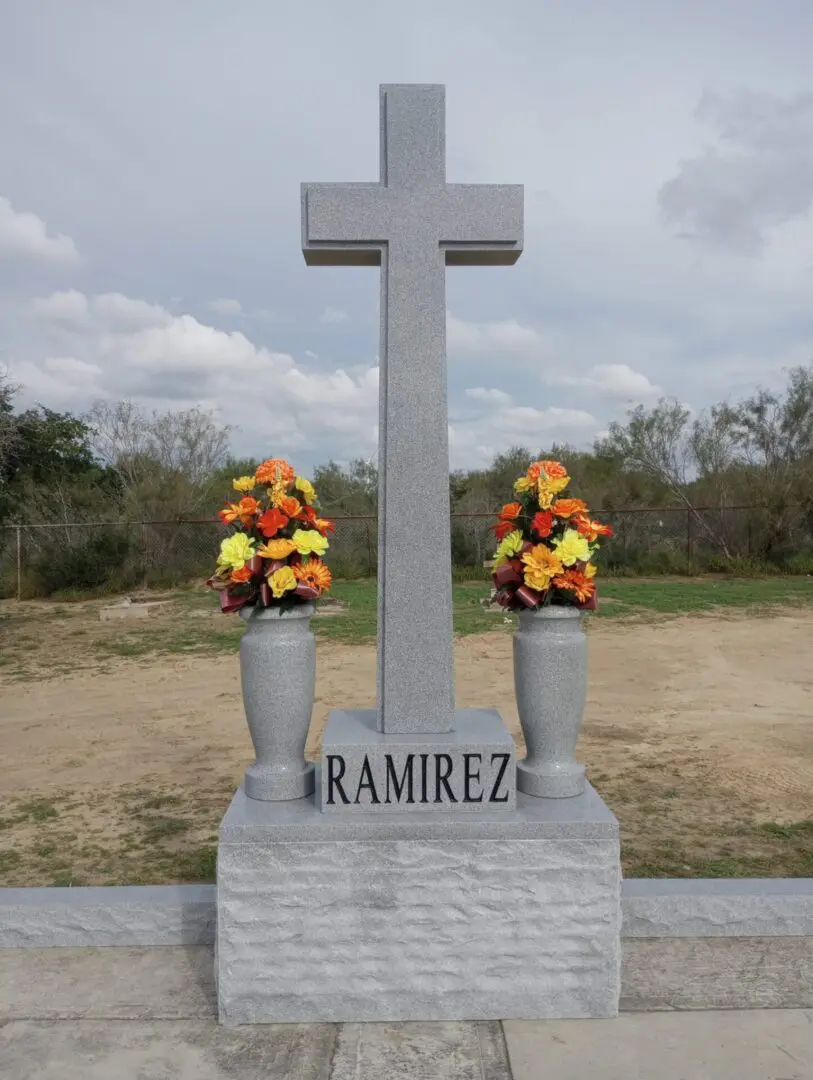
37, 560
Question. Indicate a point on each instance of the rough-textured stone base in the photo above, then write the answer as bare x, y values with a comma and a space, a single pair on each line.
364, 770
418, 917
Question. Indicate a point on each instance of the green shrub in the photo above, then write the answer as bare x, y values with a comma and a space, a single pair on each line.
102, 560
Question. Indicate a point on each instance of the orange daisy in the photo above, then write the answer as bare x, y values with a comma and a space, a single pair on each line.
313, 573
577, 582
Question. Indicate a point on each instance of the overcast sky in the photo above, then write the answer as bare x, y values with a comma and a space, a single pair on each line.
150, 160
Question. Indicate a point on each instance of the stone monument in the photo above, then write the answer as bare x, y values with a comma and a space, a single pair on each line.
416, 883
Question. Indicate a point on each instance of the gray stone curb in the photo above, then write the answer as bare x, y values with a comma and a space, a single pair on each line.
712, 907
112, 915
185, 914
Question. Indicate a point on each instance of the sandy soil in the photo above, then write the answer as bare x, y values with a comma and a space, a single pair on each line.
697, 729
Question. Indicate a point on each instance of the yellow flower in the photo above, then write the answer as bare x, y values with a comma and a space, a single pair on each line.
590, 570
243, 483
541, 564
309, 541
307, 489
282, 581
509, 546
277, 492
571, 547
276, 549
235, 551
523, 484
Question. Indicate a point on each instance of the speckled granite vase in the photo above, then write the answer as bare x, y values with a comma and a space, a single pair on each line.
550, 681
278, 674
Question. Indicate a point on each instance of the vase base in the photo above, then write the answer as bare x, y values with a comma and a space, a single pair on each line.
565, 782
266, 784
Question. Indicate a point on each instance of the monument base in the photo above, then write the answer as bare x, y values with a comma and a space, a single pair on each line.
420, 916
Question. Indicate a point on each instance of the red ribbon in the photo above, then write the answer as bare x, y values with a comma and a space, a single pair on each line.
527, 596
265, 594
229, 602
255, 564
306, 592
506, 575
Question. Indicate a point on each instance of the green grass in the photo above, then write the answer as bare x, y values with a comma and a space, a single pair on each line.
674, 597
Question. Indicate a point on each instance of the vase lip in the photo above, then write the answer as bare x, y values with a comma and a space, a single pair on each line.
266, 614
554, 611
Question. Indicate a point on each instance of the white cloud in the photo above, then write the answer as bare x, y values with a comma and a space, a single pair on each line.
112, 312
613, 382
127, 348
223, 306
507, 336
333, 315
26, 235
493, 396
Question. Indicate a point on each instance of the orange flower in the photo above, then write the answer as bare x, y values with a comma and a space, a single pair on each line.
565, 508
276, 549
313, 573
542, 523
243, 512
554, 469
241, 575
290, 506
576, 581
274, 469
592, 530
510, 511
534, 471
324, 525
271, 522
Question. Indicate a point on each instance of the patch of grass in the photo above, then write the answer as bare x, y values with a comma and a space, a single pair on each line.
671, 597
158, 802
38, 810
9, 860
197, 864
161, 827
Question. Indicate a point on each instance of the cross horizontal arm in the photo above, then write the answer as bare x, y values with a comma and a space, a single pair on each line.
343, 224
482, 224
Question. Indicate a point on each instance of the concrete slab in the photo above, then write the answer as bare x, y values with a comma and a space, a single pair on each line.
752, 1045
160, 1050
123, 984
455, 1050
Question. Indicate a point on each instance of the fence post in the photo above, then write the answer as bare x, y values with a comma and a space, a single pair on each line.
19, 563
144, 555
369, 550
689, 541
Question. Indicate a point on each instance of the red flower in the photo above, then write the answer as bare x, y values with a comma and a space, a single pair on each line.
542, 523
503, 528
271, 522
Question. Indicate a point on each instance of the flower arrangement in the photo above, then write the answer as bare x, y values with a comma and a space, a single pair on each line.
274, 557
547, 544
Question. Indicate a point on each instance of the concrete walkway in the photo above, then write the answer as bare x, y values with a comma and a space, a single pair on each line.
148, 1014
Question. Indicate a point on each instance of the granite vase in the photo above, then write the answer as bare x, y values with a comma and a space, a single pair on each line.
550, 681
278, 675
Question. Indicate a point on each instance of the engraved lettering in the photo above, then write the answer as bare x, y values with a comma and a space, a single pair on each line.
442, 777
334, 779
424, 760
493, 797
469, 775
368, 783
406, 779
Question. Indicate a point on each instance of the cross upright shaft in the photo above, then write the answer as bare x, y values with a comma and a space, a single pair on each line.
411, 224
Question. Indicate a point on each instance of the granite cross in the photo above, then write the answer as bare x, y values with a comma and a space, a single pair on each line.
411, 224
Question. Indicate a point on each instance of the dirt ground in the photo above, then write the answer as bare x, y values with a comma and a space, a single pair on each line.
698, 732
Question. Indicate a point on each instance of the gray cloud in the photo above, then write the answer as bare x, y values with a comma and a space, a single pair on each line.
756, 175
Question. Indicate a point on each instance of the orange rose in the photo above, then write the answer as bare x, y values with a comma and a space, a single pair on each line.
290, 506
242, 575
565, 508
502, 529
510, 511
554, 469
